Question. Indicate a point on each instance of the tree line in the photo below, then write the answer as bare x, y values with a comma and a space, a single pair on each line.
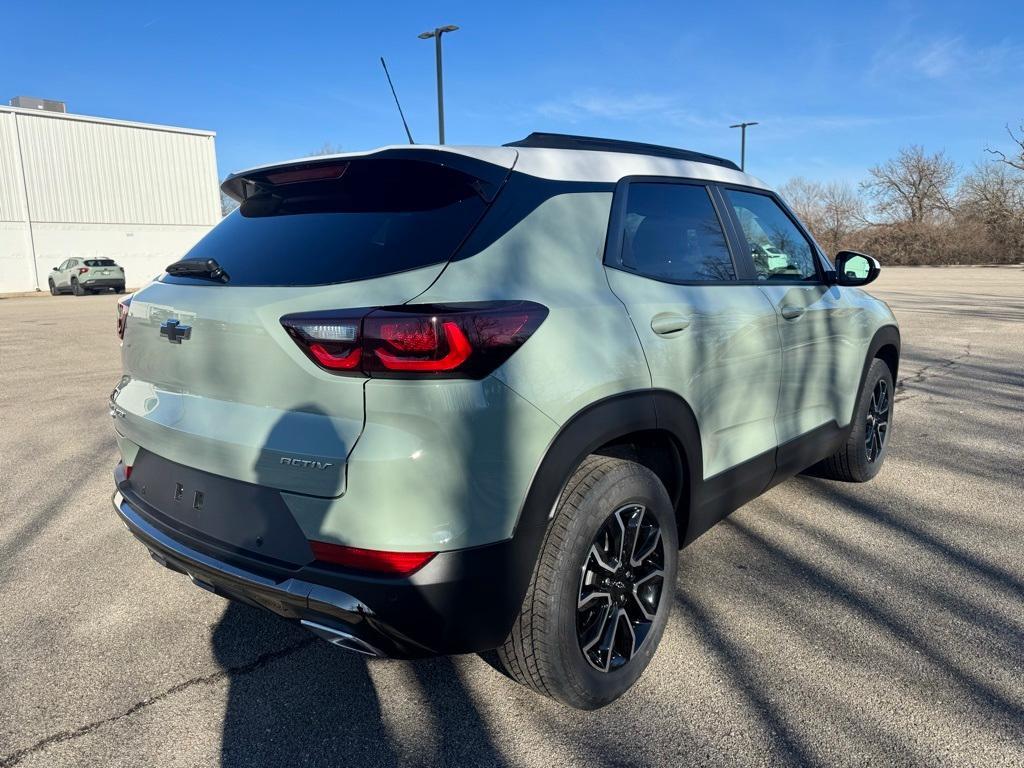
918, 208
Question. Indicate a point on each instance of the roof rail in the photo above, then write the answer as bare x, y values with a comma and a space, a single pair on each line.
568, 141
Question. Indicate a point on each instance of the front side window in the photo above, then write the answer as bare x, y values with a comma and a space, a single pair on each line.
672, 233
778, 248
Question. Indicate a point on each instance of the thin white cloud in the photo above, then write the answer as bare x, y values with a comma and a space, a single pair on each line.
609, 106
669, 110
944, 58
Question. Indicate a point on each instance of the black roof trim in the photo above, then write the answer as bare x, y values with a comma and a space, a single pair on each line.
568, 141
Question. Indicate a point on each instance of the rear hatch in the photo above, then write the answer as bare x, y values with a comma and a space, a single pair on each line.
103, 269
213, 381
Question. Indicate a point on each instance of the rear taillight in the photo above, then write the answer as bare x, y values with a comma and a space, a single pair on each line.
82, 270
122, 314
465, 341
372, 560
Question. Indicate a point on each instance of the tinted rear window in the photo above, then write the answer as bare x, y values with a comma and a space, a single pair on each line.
366, 219
100, 263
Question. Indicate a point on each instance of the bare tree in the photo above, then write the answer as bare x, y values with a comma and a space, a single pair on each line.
227, 204
833, 212
805, 198
913, 187
842, 214
1017, 159
327, 148
992, 197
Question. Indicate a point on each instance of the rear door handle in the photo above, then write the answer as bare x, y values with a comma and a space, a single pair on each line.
792, 313
669, 324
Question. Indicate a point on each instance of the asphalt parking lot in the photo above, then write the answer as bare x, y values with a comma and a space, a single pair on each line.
824, 623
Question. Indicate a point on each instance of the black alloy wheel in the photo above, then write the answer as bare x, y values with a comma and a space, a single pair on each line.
621, 585
877, 420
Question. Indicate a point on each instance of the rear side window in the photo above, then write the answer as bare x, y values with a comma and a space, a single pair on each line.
100, 263
353, 220
778, 248
673, 233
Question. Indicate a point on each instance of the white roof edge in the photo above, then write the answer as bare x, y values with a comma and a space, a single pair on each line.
560, 164
105, 121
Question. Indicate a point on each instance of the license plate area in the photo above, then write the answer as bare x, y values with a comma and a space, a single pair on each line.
243, 516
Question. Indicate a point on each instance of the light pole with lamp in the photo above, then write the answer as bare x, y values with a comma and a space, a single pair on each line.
436, 34
743, 142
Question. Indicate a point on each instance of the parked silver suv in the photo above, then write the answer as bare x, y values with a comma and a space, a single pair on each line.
436, 400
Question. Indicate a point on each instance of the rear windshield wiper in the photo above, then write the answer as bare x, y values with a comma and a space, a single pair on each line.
198, 268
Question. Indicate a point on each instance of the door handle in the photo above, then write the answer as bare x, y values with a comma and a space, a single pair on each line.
669, 324
792, 313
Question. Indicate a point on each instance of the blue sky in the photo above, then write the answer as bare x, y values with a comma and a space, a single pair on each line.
836, 86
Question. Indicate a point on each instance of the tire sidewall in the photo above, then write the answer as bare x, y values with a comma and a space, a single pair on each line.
632, 484
868, 469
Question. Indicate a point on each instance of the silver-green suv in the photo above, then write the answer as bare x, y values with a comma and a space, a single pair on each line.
438, 400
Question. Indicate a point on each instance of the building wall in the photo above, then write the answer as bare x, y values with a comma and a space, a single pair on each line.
78, 186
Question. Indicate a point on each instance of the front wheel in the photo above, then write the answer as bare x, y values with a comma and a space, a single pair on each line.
602, 588
860, 459
53, 288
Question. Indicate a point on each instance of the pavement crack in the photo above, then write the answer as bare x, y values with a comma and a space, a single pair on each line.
57, 738
927, 372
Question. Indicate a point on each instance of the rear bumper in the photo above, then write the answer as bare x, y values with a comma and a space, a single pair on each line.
462, 601
104, 283
331, 613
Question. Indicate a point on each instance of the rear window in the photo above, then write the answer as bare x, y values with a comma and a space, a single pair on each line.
345, 221
100, 263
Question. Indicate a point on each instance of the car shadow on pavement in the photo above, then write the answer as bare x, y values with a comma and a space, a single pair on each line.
304, 702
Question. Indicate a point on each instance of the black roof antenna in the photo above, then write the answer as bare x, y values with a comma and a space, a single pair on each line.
400, 113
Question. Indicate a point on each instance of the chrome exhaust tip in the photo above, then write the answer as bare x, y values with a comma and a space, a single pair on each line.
342, 639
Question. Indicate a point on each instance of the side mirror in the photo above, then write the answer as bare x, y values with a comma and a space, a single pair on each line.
54, 269
855, 269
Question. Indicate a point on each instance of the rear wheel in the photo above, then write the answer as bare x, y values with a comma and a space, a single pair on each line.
602, 588
860, 459
76, 288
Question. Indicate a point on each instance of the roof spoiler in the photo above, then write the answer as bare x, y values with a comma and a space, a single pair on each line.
489, 173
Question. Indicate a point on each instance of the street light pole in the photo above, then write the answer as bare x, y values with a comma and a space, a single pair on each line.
743, 142
436, 34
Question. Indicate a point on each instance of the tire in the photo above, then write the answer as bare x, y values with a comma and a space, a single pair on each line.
858, 461
119, 290
53, 288
76, 288
545, 649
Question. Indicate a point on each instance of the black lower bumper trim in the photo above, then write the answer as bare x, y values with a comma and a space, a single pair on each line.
330, 613
462, 601
103, 283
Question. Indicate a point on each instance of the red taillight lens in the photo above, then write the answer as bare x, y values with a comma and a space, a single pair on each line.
409, 341
457, 349
372, 560
82, 270
345, 360
122, 314
127, 471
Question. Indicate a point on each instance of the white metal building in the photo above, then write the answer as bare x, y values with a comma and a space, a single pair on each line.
90, 187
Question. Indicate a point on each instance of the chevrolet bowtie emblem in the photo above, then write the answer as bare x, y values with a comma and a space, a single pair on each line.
175, 331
